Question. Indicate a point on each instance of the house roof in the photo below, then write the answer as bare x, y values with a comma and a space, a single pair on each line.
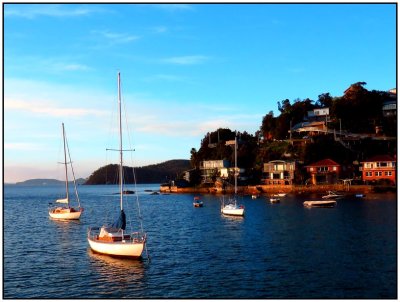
379, 158
324, 163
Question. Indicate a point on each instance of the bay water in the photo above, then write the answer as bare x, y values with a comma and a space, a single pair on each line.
276, 251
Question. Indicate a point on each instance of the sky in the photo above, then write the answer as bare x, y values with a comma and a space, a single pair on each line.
186, 69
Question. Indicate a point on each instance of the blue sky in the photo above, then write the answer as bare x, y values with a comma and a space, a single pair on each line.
186, 69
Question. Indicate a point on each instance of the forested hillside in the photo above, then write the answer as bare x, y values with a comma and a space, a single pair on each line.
158, 173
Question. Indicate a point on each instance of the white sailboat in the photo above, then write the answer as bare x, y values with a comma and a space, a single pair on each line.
113, 239
231, 207
67, 212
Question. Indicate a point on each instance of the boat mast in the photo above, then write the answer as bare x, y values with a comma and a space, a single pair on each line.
65, 163
235, 166
121, 172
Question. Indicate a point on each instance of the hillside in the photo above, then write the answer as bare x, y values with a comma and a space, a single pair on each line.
46, 182
157, 173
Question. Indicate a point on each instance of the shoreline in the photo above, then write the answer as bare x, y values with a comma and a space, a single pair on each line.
272, 189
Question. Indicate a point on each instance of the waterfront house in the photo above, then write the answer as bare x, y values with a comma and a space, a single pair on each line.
379, 168
319, 114
211, 169
279, 172
310, 128
325, 171
389, 107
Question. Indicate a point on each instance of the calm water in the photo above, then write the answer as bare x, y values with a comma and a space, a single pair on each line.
277, 251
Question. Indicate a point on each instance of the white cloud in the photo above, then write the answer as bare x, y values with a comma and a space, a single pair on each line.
50, 65
48, 109
22, 146
115, 37
174, 7
186, 60
165, 77
160, 29
49, 10
71, 67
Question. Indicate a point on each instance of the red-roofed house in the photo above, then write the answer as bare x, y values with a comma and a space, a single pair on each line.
379, 168
325, 171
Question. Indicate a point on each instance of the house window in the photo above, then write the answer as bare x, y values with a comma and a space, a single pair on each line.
378, 173
368, 165
276, 176
334, 168
322, 169
388, 173
382, 164
368, 174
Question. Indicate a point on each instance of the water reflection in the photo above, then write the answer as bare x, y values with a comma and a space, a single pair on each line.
117, 269
232, 217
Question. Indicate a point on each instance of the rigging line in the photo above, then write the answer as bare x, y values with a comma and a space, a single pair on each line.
73, 173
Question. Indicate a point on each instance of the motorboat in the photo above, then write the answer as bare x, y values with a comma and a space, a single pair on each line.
197, 203
320, 203
273, 199
332, 195
279, 195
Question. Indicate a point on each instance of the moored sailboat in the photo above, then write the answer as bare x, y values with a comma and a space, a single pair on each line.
67, 212
115, 240
231, 207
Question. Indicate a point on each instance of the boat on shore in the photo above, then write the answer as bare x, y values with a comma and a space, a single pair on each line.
320, 203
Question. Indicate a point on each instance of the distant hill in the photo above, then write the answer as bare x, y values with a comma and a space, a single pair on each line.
47, 182
157, 173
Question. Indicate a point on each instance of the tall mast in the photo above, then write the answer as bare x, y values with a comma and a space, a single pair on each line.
235, 165
121, 172
65, 163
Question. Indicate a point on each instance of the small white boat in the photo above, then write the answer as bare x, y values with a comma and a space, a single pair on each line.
67, 212
332, 195
197, 203
113, 239
232, 208
360, 195
254, 196
274, 200
279, 195
320, 203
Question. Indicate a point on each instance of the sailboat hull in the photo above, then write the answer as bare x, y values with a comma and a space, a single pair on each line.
65, 214
119, 249
233, 212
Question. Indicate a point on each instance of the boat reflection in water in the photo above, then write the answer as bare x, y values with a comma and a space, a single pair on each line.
117, 273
